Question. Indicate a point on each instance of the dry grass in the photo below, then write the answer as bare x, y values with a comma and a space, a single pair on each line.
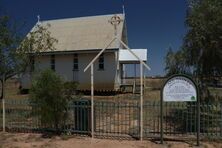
151, 91
12, 90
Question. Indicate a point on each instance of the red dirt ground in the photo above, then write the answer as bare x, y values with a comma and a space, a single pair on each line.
27, 140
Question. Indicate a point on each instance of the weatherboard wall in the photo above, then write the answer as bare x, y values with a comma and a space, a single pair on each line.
103, 79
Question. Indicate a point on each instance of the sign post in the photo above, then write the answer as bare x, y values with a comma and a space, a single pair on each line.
180, 88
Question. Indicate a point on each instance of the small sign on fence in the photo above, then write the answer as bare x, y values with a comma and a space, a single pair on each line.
180, 88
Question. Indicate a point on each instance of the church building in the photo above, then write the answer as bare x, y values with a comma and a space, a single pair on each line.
79, 41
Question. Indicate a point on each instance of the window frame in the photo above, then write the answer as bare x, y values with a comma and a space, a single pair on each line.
75, 62
52, 62
101, 62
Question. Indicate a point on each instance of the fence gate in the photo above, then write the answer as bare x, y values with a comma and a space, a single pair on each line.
151, 119
117, 119
82, 116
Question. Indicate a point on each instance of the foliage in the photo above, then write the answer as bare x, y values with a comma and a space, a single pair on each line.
203, 40
50, 98
201, 52
70, 89
16, 51
202, 47
9, 40
176, 62
38, 40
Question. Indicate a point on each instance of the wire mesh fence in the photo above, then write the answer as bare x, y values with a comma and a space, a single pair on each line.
121, 118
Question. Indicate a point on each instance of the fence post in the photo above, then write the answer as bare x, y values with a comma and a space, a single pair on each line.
141, 101
198, 120
3, 115
220, 119
161, 117
3, 103
92, 102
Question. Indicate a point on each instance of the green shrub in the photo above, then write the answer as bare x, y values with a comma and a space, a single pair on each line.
49, 98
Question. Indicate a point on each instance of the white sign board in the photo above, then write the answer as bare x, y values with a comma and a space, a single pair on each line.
180, 89
125, 55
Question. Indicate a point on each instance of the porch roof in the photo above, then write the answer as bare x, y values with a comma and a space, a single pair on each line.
128, 58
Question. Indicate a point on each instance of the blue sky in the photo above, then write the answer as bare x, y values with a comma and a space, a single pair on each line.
151, 24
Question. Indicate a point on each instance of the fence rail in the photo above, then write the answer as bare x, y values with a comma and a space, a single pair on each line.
122, 119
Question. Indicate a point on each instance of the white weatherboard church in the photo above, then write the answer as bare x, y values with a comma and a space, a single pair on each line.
79, 41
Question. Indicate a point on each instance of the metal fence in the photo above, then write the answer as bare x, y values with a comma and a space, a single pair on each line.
122, 119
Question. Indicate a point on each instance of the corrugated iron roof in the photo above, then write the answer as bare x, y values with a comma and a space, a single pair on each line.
84, 33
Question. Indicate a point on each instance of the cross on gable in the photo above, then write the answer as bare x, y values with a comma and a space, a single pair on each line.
115, 21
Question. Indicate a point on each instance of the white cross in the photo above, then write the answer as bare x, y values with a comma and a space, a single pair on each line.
38, 17
115, 21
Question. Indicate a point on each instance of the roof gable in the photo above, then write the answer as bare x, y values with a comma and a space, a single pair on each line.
84, 33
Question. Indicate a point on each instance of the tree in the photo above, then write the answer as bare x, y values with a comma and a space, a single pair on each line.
202, 47
203, 40
16, 51
50, 97
8, 40
201, 52
176, 62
